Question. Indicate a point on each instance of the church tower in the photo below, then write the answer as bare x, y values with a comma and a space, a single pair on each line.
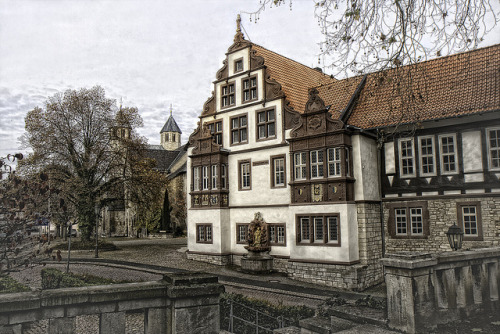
170, 134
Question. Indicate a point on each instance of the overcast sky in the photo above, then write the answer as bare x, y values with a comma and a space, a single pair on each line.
150, 53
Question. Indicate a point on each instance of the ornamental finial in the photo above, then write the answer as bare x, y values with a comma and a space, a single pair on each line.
238, 24
239, 35
170, 109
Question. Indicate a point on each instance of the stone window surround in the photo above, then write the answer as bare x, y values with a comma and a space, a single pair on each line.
460, 221
212, 125
238, 235
249, 89
206, 228
266, 137
391, 220
235, 65
240, 176
229, 93
344, 161
489, 149
272, 169
239, 128
311, 241
275, 242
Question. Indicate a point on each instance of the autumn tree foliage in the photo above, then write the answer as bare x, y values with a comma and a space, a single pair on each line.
90, 150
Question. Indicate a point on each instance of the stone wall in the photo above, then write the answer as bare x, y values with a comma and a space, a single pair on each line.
178, 304
443, 214
220, 260
424, 290
370, 243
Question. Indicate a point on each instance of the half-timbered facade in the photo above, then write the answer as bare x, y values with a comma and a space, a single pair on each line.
337, 174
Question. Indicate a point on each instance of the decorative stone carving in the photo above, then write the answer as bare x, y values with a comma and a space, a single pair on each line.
222, 72
273, 88
293, 119
209, 106
317, 192
258, 240
315, 103
255, 61
315, 122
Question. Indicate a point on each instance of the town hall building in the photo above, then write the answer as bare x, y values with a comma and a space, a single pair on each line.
343, 171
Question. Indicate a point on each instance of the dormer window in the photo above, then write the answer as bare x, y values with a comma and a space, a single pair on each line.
238, 65
227, 95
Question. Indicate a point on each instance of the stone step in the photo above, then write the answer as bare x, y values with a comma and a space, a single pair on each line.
315, 325
288, 330
360, 315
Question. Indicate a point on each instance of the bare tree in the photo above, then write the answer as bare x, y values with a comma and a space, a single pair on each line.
364, 36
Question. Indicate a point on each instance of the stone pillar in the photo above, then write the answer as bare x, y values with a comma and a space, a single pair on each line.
155, 320
62, 325
410, 292
112, 323
194, 303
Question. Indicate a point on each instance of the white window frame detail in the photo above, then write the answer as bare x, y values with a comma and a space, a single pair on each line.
245, 175
336, 162
214, 176
196, 178
329, 221
319, 222
491, 149
416, 219
441, 154
279, 172
404, 220
205, 177
307, 230
318, 164
422, 156
280, 230
223, 177
300, 169
475, 220
401, 158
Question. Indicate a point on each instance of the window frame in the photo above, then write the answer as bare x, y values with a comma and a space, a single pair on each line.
216, 135
460, 220
408, 206
455, 154
336, 163
196, 178
274, 158
266, 123
400, 157
313, 240
213, 177
223, 176
235, 67
421, 156
238, 233
275, 241
249, 89
302, 166
206, 228
240, 175
205, 176
489, 148
238, 129
317, 164
228, 95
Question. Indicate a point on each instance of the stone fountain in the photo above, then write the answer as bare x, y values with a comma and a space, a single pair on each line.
258, 259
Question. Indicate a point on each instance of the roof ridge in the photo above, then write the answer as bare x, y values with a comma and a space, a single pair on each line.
308, 67
409, 65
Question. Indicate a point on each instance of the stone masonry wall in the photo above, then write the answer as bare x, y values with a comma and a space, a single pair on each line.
442, 214
370, 243
220, 260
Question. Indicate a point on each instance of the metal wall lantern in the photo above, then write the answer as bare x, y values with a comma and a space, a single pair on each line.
455, 237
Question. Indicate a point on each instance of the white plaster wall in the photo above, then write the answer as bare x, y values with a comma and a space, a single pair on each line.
244, 53
220, 229
366, 187
261, 192
390, 162
349, 249
471, 145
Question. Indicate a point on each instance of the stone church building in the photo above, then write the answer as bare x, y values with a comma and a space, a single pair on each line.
343, 171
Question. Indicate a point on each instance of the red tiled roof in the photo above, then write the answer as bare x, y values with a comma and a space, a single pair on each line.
461, 84
295, 78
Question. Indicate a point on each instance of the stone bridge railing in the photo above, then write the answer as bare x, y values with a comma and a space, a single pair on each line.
424, 290
179, 303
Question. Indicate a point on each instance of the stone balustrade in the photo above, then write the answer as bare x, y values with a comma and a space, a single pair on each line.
424, 290
177, 304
